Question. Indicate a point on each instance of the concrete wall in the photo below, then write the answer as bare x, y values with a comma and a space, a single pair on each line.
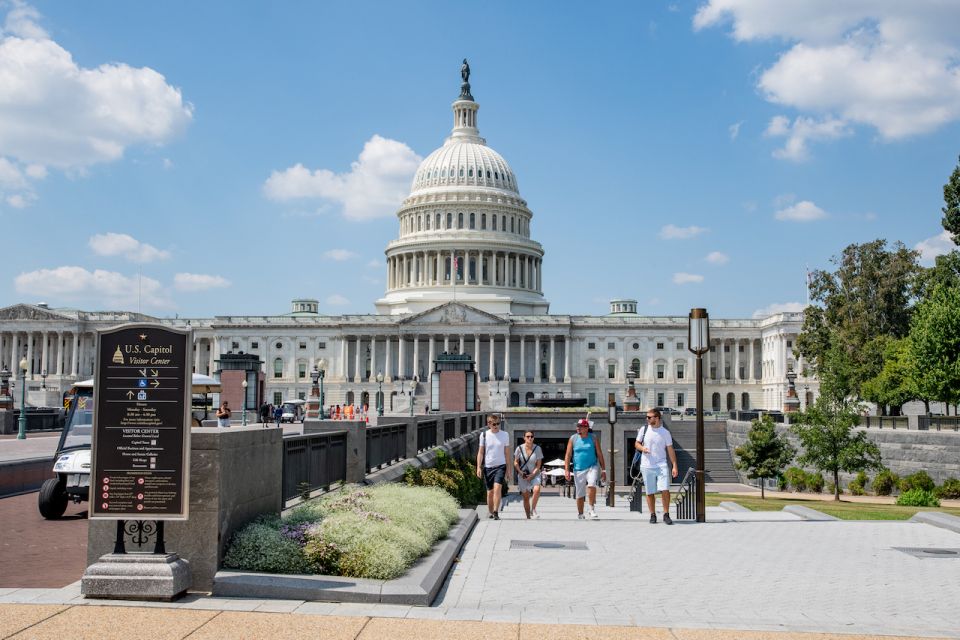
903, 452
235, 476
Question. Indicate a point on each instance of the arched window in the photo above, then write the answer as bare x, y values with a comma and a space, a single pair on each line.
461, 172
419, 221
470, 172
503, 223
494, 225
715, 401
496, 175
460, 221
278, 368
731, 402
745, 401
488, 174
426, 220
449, 221
635, 366
473, 221
437, 225
483, 221
511, 224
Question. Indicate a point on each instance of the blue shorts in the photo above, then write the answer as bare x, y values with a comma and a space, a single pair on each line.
494, 475
658, 477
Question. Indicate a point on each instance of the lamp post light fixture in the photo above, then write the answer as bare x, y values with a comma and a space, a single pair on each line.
322, 371
698, 343
413, 388
244, 384
380, 393
612, 476
43, 379
22, 421
314, 389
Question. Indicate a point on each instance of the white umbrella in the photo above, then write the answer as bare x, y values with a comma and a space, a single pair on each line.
554, 463
554, 472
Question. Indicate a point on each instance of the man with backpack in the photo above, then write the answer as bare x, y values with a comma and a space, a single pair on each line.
492, 463
655, 444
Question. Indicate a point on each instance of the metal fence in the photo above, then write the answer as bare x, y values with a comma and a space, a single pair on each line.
385, 445
317, 459
885, 422
426, 435
449, 429
938, 423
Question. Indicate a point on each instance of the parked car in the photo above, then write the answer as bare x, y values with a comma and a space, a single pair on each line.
690, 411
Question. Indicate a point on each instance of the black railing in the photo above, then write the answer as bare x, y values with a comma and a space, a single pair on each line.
426, 435
938, 423
386, 445
884, 422
464, 425
686, 500
313, 461
449, 429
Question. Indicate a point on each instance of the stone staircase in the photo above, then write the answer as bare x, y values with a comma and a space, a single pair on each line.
718, 463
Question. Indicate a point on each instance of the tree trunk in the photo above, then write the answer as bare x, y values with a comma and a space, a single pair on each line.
926, 406
836, 485
762, 496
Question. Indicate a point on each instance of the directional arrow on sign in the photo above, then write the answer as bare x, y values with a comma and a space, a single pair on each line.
155, 383
154, 373
143, 372
129, 395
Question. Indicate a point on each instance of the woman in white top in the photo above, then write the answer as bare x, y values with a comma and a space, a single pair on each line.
528, 461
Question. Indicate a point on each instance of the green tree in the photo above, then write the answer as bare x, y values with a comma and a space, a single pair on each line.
944, 273
935, 345
951, 209
856, 309
764, 454
831, 440
896, 382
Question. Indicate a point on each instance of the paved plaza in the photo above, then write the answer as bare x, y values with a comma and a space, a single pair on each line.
771, 573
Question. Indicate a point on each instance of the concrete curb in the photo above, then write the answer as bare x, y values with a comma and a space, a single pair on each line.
23, 476
809, 514
733, 506
419, 586
938, 519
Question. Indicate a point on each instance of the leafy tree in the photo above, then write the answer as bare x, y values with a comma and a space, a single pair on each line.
831, 441
935, 345
896, 382
944, 273
951, 209
765, 454
856, 310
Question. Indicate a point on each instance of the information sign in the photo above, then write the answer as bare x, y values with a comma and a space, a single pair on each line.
141, 424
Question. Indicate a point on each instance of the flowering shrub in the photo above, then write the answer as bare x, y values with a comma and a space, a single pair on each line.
366, 533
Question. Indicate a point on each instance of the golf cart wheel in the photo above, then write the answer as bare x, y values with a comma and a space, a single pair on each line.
53, 499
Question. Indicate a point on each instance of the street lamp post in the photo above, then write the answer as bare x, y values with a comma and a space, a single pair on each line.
43, 379
380, 393
698, 342
612, 476
22, 422
322, 371
314, 392
413, 388
244, 384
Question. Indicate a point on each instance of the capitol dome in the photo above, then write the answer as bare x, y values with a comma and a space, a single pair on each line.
464, 230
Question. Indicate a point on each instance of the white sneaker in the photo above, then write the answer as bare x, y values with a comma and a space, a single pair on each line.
536, 516
593, 515
580, 516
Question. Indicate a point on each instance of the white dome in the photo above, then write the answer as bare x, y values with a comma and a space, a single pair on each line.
464, 163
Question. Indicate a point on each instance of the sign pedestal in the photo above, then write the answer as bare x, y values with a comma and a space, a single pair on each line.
137, 576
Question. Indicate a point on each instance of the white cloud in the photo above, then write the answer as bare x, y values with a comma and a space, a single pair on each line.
717, 257
337, 300
339, 255
121, 244
93, 288
673, 232
779, 307
686, 278
800, 131
887, 65
938, 245
54, 113
803, 211
374, 264
18, 200
198, 282
734, 130
376, 184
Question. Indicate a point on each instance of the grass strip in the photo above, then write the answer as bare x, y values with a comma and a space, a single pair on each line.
843, 510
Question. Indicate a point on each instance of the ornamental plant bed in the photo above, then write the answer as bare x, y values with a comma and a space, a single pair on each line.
360, 532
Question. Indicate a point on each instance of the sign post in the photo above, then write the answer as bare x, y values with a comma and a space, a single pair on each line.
141, 456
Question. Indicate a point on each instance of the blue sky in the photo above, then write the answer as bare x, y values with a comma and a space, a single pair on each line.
223, 158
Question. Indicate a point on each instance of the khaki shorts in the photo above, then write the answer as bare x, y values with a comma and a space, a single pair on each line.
588, 477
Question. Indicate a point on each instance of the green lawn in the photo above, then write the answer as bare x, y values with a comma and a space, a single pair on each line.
842, 510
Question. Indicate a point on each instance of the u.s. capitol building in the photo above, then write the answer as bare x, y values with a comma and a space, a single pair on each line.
465, 276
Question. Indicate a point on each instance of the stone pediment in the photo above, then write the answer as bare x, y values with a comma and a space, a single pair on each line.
454, 313
30, 312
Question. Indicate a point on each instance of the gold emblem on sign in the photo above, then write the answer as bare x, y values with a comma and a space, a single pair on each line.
117, 356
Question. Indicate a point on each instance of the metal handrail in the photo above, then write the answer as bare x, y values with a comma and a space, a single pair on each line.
686, 500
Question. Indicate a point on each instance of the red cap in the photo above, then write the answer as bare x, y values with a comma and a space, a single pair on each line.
583, 423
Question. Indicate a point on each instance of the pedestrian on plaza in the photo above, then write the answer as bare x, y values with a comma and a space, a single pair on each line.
223, 415
336, 412
655, 444
583, 449
278, 413
348, 412
492, 463
265, 413
528, 461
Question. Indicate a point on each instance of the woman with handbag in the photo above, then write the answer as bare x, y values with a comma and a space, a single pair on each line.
528, 461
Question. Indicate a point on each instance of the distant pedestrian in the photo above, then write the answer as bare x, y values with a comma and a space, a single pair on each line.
223, 415
656, 444
278, 414
528, 461
265, 413
492, 463
583, 450
336, 412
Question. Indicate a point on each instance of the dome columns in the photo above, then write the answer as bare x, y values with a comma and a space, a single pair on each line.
475, 267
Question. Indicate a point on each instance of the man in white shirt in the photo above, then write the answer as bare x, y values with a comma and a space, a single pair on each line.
656, 444
492, 463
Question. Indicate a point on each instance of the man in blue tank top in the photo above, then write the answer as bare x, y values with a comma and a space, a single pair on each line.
588, 466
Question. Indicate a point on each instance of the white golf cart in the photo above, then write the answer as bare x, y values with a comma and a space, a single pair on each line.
293, 411
72, 460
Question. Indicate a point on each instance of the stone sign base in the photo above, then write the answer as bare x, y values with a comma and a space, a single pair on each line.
137, 576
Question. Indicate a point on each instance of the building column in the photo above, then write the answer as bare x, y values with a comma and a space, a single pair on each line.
506, 357
373, 358
523, 364
736, 361
551, 371
490, 366
75, 355
622, 373
416, 356
45, 352
356, 360
432, 354
388, 360
401, 361
751, 368
30, 354
446, 343
566, 358
462, 345
439, 268
476, 351
15, 354
536, 358
342, 365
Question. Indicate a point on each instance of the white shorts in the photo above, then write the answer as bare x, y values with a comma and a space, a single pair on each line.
588, 476
658, 477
